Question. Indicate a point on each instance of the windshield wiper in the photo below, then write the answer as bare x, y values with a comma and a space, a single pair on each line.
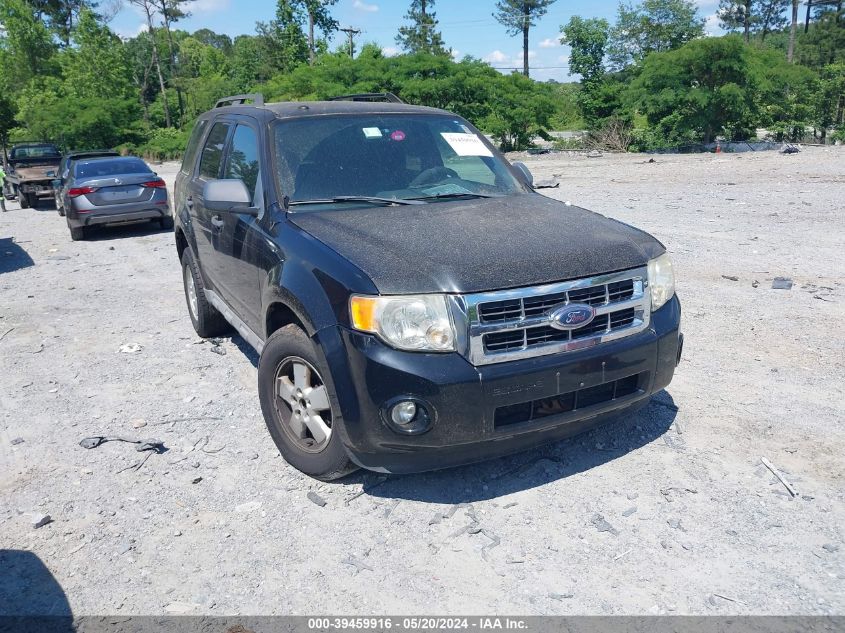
375, 199
465, 194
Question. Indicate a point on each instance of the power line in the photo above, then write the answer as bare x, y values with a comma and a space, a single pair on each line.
351, 33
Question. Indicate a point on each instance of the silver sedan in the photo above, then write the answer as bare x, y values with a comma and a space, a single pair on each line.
113, 190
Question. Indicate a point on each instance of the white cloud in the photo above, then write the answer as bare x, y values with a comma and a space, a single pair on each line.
456, 54
390, 51
208, 6
711, 25
363, 6
128, 34
549, 42
496, 57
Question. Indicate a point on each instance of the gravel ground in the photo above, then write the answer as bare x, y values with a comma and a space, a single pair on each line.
668, 511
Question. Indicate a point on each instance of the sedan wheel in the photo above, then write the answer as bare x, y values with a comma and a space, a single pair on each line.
302, 403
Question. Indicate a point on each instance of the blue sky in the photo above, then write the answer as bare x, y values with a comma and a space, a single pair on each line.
468, 26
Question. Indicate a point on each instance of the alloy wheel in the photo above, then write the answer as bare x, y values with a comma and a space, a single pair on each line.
302, 403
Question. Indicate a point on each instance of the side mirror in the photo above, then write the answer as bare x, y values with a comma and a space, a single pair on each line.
57, 183
526, 174
228, 196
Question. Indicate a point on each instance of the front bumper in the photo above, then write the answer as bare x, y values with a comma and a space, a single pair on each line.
492, 410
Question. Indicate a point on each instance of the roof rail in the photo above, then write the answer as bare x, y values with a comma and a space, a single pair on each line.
389, 97
256, 98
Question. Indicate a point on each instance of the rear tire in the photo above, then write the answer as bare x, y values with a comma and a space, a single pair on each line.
77, 233
166, 223
206, 319
327, 459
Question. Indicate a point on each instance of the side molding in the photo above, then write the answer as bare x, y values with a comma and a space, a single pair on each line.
243, 329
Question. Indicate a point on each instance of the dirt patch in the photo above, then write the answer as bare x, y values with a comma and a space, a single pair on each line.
668, 511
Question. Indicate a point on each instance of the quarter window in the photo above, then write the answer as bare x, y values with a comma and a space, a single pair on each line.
212, 153
193, 146
243, 163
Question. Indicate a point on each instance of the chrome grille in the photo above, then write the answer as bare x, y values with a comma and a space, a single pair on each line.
511, 324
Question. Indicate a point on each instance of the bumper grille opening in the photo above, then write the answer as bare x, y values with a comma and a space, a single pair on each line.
566, 402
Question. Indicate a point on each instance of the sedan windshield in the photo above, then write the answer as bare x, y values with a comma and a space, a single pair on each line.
378, 158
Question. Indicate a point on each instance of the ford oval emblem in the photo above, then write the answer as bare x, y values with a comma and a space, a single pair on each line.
572, 317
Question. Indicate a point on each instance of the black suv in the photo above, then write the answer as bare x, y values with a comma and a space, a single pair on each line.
416, 305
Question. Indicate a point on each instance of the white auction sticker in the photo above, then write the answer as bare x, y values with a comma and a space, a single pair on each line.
466, 144
372, 132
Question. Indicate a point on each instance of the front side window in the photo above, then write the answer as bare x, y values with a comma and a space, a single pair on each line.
212, 152
243, 162
392, 156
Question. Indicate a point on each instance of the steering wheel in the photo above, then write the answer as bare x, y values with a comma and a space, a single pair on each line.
432, 174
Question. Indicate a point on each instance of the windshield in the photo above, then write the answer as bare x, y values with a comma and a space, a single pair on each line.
114, 167
386, 156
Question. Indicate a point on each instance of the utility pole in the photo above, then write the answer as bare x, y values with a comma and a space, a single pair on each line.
350, 33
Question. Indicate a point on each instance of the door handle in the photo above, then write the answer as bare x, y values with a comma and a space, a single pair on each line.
216, 222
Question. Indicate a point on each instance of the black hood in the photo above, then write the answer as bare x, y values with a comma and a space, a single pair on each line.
480, 244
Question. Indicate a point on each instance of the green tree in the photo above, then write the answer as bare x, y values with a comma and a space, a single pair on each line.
519, 113
26, 46
706, 88
61, 16
588, 40
737, 15
652, 26
421, 35
518, 16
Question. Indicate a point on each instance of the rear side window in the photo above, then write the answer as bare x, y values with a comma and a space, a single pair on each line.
243, 163
212, 153
193, 147
102, 168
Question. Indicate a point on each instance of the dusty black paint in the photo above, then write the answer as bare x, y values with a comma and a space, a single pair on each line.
478, 245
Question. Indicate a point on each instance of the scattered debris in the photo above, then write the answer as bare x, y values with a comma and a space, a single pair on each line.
138, 423
156, 446
755, 284
315, 498
131, 348
17, 440
623, 554
602, 525
510, 505
830, 547
37, 520
561, 596
780, 477
196, 480
790, 149
3, 335
218, 350
594, 153
359, 565
782, 283
365, 489
730, 277
629, 511
547, 183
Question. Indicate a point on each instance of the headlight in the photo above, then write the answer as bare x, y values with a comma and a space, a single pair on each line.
415, 322
661, 281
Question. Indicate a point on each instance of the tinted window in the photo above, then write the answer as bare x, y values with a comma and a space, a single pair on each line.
243, 158
212, 153
35, 151
193, 147
103, 168
386, 155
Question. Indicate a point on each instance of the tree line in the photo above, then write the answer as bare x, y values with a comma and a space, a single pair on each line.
651, 78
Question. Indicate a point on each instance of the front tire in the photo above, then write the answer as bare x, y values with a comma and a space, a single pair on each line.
24, 200
299, 405
206, 319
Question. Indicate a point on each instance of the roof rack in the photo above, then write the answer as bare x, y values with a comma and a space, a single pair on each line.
389, 97
257, 99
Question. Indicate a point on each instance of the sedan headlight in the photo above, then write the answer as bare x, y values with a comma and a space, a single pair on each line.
414, 322
661, 281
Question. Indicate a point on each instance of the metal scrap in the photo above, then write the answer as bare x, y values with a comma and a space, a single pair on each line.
780, 477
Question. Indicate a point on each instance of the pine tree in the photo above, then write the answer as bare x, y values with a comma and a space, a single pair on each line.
518, 16
421, 36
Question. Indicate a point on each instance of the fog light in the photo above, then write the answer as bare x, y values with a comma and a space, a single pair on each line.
403, 413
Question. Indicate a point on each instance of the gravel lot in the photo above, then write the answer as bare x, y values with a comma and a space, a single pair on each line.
669, 511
